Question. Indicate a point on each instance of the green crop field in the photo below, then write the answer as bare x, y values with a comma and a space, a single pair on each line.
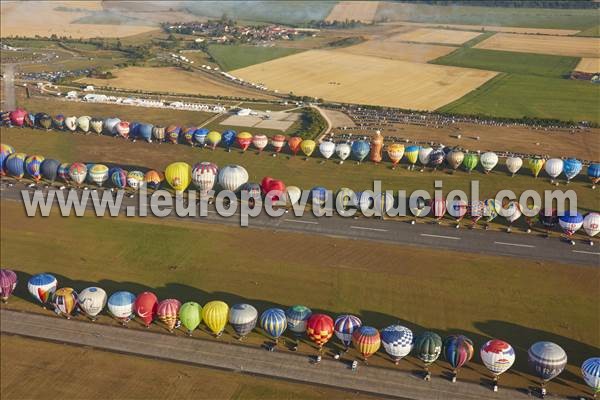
508, 61
516, 96
230, 57
593, 31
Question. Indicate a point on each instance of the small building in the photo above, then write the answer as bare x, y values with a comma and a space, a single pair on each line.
244, 112
88, 88
72, 95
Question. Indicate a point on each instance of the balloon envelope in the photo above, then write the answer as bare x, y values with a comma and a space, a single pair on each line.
360, 149
178, 175
470, 161
168, 311
278, 141
42, 287
244, 139
366, 340
274, 322
65, 300
319, 329
412, 154
397, 341
488, 161
232, 177
146, 305
570, 222
546, 359
572, 168
294, 144
200, 135
308, 146
5, 151
242, 318
428, 347
120, 305
8, 283
296, 318
49, 169
554, 167
204, 175
458, 350
260, 141
327, 149
590, 369
228, 138
214, 315
514, 164
343, 150
497, 356
190, 315
15, 165
92, 300
591, 224
344, 327
32, 166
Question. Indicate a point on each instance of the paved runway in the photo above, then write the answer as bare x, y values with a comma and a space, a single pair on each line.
423, 234
246, 359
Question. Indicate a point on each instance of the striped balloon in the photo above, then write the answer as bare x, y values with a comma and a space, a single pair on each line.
590, 369
118, 177
15, 165
200, 135
458, 350
78, 172
204, 175
65, 301
32, 166
260, 142
274, 322
8, 283
5, 151
547, 359
167, 312
242, 318
63, 172
366, 340
344, 327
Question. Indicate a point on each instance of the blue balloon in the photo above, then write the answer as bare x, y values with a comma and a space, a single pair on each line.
49, 169
134, 129
360, 149
572, 168
228, 138
42, 279
274, 322
145, 132
118, 177
297, 316
200, 135
15, 165
436, 157
318, 195
594, 171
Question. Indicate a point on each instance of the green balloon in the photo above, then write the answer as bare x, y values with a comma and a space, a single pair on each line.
470, 161
190, 315
428, 347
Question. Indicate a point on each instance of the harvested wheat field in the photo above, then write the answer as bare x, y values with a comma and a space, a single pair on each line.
443, 36
490, 28
351, 78
19, 20
173, 80
558, 45
363, 11
414, 52
591, 65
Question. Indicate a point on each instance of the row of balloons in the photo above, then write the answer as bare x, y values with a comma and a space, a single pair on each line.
358, 149
547, 359
206, 175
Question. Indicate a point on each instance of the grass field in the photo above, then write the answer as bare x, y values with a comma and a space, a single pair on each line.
506, 61
230, 57
593, 31
482, 296
516, 96
557, 45
150, 378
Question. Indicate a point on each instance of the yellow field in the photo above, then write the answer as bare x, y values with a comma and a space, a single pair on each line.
589, 65
428, 35
32, 18
506, 29
350, 78
399, 51
563, 46
363, 11
173, 80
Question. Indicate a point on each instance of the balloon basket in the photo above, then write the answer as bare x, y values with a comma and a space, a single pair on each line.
495, 388
454, 379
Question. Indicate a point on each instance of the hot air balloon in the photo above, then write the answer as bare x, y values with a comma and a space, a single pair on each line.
122, 129
253, 189
244, 139
308, 146
497, 356
97, 125
455, 158
71, 123
98, 173
49, 169
418, 208
395, 152
547, 360
63, 172
153, 179
178, 175
159, 133
167, 312
188, 135
318, 196
360, 149
118, 177
548, 218
512, 212
570, 223
591, 225
438, 208
319, 329
273, 189
274, 322
5, 151
376, 147
343, 150
572, 168
458, 350
134, 130
294, 144
59, 122
172, 133
397, 341
214, 315
594, 174
488, 161
535, 165
135, 180
15, 165
200, 136
278, 141
110, 125
91, 301
42, 287
436, 158
458, 209
145, 307
514, 164
32, 166
145, 132
242, 318
17, 117
293, 194
232, 177
490, 211
120, 305
83, 123
346, 198
470, 161
190, 315
327, 149
65, 301
296, 318
366, 340
78, 173
44, 120
344, 327
476, 210
428, 347
213, 139
590, 370
412, 155
8, 283
260, 141
204, 175
554, 167
5, 118
424, 153
228, 138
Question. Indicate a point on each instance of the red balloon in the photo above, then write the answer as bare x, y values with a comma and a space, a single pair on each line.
146, 306
17, 117
273, 188
294, 144
278, 141
319, 328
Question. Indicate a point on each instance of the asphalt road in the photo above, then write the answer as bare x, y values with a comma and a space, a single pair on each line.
497, 243
246, 359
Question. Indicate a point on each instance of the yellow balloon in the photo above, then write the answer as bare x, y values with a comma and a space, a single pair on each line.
395, 152
535, 165
179, 175
213, 139
307, 147
214, 315
412, 155
244, 135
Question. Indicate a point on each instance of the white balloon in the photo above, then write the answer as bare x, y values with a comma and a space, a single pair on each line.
343, 150
513, 211
424, 153
83, 123
260, 141
110, 124
327, 149
71, 123
497, 356
232, 177
514, 164
554, 167
92, 300
488, 161
204, 175
293, 193
591, 224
